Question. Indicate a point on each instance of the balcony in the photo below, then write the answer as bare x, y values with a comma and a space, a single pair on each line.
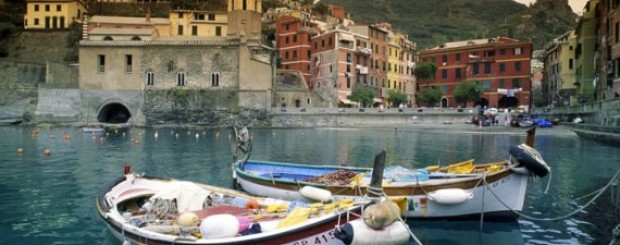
363, 50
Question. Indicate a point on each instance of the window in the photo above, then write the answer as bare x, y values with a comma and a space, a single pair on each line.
199, 16
444, 58
502, 51
36, 8
194, 30
348, 68
502, 67
150, 78
218, 31
490, 53
570, 64
617, 31
181, 79
457, 73
245, 4
330, 69
286, 39
516, 83
316, 45
487, 68
36, 21
518, 65
295, 39
215, 79
348, 82
211, 17
458, 57
476, 69
180, 30
486, 85
170, 66
308, 54
101, 63
444, 74
128, 63
58, 8
518, 51
322, 43
180, 15
47, 8
286, 55
294, 54
502, 83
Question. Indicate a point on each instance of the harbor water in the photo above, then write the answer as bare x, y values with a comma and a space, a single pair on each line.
50, 199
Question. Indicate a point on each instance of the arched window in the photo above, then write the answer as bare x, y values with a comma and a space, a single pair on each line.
108, 38
136, 38
215, 79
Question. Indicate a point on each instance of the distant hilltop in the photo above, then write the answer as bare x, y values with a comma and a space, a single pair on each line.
431, 22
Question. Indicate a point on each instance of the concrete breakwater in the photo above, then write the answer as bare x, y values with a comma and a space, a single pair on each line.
369, 117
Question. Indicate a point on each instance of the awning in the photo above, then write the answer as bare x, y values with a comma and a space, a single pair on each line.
509, 92
346, 37
347, 101
377, 100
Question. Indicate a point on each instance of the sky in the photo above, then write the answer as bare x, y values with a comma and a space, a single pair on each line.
576, 5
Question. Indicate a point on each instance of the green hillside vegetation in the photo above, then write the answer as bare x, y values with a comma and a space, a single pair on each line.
432, 22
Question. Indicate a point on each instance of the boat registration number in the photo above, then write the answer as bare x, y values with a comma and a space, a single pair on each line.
326, 237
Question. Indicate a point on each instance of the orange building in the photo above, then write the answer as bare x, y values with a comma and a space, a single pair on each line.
500, 66
293, 37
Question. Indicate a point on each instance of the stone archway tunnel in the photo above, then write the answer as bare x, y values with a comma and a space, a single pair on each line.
114, 113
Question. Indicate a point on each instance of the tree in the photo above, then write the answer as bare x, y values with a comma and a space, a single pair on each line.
321, 9
430, 96
363, 95
467, 91
396, 98
425, 71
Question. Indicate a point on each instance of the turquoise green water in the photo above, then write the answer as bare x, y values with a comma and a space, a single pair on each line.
51, 199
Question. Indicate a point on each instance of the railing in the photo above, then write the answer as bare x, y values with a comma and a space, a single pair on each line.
294, 110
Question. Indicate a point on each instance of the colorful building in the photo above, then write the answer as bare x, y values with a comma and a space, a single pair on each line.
587, 44
561, 86
500, 66
607, 83
52, 14
377, 45
334, 64
195, 23
293, 37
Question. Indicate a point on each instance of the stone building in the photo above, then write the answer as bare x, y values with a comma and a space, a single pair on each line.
155, 78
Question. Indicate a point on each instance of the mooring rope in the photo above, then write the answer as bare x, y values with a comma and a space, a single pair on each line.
600, 192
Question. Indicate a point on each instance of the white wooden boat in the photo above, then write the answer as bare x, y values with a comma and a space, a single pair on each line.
148, 210
457, 191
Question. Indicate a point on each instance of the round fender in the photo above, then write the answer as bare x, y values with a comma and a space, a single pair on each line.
531, 159
450, 196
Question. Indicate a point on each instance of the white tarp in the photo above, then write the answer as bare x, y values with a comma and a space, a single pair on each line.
188, 195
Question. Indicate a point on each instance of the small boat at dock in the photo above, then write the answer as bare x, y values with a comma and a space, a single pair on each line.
150, 210
460, 190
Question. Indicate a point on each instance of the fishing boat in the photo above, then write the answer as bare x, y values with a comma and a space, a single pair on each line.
149, 210
459, 190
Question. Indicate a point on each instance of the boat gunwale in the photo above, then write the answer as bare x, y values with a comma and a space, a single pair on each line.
118, 226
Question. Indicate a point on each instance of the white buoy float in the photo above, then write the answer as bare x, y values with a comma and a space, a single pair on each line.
156, 135
358, 233
47, 152
450, 196
316, 194
219, 226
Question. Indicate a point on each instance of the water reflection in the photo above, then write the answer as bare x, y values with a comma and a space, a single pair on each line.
467, 232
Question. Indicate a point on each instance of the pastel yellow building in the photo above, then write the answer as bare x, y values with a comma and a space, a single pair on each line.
52, 14
188, 23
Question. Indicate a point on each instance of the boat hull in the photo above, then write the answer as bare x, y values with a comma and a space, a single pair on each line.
496, 195
314, 231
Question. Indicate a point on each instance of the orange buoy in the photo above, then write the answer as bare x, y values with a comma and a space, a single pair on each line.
252, 204
47, 152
